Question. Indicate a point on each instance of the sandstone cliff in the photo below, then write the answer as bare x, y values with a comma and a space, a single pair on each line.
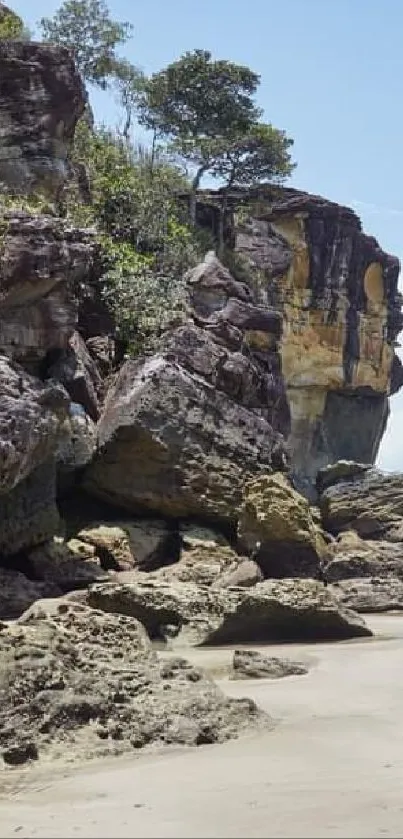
337, 291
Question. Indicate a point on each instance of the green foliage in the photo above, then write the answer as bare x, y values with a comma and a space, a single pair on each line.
199, 97
146, 244
86, 28
11, 26
260, 154
206, 111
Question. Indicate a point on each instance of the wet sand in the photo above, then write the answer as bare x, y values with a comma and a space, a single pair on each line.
333, 766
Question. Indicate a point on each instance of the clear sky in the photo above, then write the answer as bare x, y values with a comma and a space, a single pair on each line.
332, 77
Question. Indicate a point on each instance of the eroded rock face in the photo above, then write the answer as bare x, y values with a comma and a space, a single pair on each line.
276, 524
181, 432
337, 290
185, 613
31, 420
79, 683
250, 664
42, 261
369, 502
370, 594
41, 98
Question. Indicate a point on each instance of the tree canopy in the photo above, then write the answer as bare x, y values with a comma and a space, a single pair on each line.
206, 111
86, 28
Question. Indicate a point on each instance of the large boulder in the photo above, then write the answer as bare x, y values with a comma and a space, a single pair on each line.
185, 613
130, 544
42, 262
370, 594
31, 420
17, 592
350, 556
80, 682
339, 296
277, 525
369, 502
181, 432
41, 98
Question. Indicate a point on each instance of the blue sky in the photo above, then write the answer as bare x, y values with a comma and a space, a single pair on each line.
332, 77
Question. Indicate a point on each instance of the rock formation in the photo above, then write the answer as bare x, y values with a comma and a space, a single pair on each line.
364, 507
181, 432
337, 291
93, 686
183, 469
41, 98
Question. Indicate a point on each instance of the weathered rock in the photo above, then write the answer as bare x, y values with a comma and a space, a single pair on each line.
369, 502
41, 98
78, 372
181, 432
370, 594
69, 565
17, 592
276, 524
244, 573
79, 683
127, 544
250, 664
342, 470
185, 613
42, 260
350, 556
28, 513
204, 565
78, 444
338, 292
31, 418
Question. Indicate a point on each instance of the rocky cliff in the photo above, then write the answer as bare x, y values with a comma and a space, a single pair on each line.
337, 290
185, 526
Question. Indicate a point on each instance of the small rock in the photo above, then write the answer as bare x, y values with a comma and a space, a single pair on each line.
20, 753
251, 664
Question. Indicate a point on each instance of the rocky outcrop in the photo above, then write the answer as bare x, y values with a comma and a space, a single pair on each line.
337, 291
42, 262
276, 525
250, 664
370, 594
369, 502
180, 433
31, 421
41, 98
83, 683
185, 613
350, 556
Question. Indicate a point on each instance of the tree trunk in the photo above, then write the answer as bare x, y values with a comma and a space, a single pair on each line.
221, 225
193, 196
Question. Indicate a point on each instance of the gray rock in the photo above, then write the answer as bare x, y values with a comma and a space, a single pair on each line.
370, 502
370, 594
17, 592
250, 664
244, 573
350, 556
41, 98
92, 685
181, 432
184, 613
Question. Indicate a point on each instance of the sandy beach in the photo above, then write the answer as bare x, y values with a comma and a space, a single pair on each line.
333, 766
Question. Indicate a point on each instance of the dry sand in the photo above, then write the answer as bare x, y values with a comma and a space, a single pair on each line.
333, 767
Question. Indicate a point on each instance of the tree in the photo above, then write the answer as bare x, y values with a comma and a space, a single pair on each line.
259, 155
130, 85
11, 26
86, 28
197, 101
